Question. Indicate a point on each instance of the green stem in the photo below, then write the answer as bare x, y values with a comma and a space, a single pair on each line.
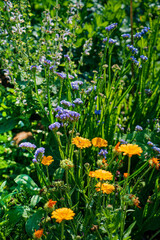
129, 167
47, 173
141, 178
49, 97
62, 230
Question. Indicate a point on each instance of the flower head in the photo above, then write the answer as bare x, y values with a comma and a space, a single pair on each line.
38, 234
61, 214
50, 205
110, 27
47, 160
135, 200
39, 153
138, 128
126, 35
27, 146
103, 152
54, 126
81, 142
101, 174
105, 187
154, 162
99, 142
66, 164
130, 149
125, 175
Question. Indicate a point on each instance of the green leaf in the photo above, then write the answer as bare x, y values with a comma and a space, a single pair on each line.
34, 200
34, 221
8, 124
15, 214
128, 231
58, 173
27, 182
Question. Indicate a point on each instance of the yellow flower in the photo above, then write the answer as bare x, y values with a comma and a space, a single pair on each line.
154, 162
101, 174
105, 187
50, 205
38, 234
61, 214
99, 142
130, 149
47, 160
81, 142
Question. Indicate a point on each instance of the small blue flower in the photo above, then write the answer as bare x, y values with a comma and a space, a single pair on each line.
67, 57
138, 128
110, 27
54, 126
97, 112
66, 103
150, 143
78, 101
103, 152
39, 153
123, 141
156, 149
144, 58
126, 35
133, 49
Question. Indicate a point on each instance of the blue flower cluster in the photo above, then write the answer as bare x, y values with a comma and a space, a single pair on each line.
143, 31
103, 152
138, 128
111, 41
110, 27
75, 85
78, 101
66, 103
135, 61
67, 57
39, 153
67, 115
150, 143
90, 89
123, 141
156, 149
144, 58
54, 126
97, 112
63, 75
47, 62
27, 146
126, 35
133, 49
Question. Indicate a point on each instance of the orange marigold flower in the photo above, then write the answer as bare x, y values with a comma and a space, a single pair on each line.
105, 187
61, 214
135, 200
81, 142
50, 204
38, 234
130, 149
101, 174
125, 175
47, 160
99, 142
154, 162
116, 147
91, 174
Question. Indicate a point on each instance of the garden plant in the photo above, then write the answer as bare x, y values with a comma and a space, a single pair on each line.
79, 120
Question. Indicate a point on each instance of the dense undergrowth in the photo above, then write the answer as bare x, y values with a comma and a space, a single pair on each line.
79, 120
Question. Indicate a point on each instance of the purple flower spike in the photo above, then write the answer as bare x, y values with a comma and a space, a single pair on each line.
138, 128
27, 146
39, 153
